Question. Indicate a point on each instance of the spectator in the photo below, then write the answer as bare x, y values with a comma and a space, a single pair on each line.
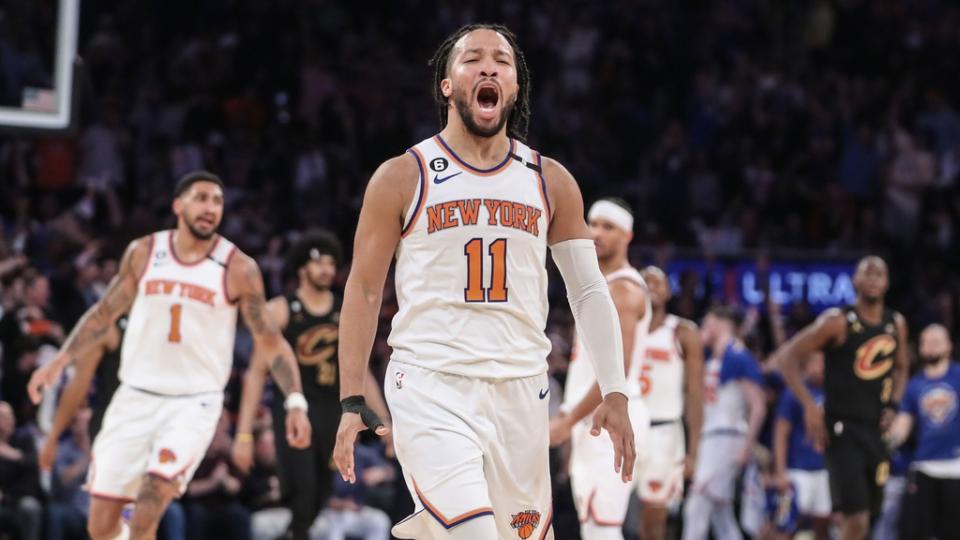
213, 508
67, 512
347, 513
20, 494
261, 491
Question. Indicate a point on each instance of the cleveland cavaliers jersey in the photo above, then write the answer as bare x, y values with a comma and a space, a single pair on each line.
180, 332
580, 375
661, 381
471, 276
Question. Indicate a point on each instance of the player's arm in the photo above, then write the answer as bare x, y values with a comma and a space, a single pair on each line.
901, 367
829, 328
246, 282
96, 323
388, 194
73, 398
253, 382
630, 301
593, 310
756, 412
781, 438
688, 337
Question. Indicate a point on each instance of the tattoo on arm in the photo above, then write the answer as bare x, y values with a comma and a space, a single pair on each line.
266, 334
282, 374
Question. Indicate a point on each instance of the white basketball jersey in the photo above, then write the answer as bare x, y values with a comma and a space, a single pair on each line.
471, 276
661, 380
580, 375
180, 332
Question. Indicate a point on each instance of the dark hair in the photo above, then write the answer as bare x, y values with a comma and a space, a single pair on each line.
192, 178
619, 202
520, 115
324, 242
725, 312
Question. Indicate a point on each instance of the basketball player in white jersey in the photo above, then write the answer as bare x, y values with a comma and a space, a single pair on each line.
733, 413
600, 496
182, 288
469, 214
672, 386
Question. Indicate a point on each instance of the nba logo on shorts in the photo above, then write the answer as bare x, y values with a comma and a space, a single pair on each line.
525, 523
399, 379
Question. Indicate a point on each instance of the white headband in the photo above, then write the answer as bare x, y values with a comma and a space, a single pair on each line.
614, 213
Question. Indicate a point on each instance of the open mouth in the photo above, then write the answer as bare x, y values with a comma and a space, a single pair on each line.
488, 95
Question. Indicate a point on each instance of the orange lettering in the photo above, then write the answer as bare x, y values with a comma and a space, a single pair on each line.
492, 205
434, 217
469, 210
519, 216
506, 214
449, 219
533, 220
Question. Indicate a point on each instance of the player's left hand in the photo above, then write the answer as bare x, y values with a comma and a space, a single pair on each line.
886, 419
356, 417
612, 416
298, 428
744, 455
689, 465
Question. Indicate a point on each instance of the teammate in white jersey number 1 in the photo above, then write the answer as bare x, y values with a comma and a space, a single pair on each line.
182, 288
469, 214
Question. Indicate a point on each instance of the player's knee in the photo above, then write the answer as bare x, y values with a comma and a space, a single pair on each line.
106, 529
856, 525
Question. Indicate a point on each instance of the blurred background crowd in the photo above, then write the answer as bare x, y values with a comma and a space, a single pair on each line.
737, 128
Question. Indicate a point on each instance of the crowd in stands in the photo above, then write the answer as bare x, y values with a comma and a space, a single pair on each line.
731, 127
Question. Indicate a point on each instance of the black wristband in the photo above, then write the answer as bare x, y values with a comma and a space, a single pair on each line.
358, 405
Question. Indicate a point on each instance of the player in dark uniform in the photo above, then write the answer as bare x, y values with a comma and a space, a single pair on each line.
309, 318
865, 350
100, 365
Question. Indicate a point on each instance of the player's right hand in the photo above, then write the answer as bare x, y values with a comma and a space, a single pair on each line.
350, 425
612, 416
46, 375
48, 454
815, 426
242, 455
298, 428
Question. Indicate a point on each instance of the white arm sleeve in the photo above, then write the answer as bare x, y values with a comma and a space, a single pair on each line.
597, 322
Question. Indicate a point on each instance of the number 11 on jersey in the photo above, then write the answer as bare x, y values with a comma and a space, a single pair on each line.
475, 292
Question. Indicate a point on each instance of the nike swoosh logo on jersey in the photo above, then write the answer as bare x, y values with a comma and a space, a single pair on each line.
543, 393
438, 180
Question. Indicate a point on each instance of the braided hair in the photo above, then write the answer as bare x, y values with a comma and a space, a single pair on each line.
520, 115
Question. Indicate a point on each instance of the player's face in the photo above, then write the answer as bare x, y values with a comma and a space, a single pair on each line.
482, 80
319, 273
934, 344
609, 239
871, 279
201, 208
658, 286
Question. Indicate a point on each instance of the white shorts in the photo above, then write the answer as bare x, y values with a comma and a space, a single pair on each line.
813, 492
716, 471
145, 433
659, 474
599, 492
472, 448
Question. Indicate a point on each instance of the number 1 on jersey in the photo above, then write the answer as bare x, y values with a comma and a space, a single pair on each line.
474, 292
174, 335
